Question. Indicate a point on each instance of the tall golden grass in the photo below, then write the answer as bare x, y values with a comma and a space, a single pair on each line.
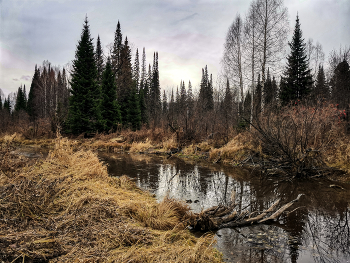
67, 209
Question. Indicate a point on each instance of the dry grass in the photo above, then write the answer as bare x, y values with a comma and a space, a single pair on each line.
67, 209
137, 147
338, 155
236, 150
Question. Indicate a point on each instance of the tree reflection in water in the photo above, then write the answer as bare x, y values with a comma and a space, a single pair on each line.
318, 231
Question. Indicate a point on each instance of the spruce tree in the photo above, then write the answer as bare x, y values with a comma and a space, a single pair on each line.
206, 99
165, 104
116, 52
190, 100
34, 91
110, 112
20, 100
136, 70
0, 101
133, 111
321, 91
125, 81
99, 60
154, 91
341, 84
297, 76
84, 115
7, 104
257, 97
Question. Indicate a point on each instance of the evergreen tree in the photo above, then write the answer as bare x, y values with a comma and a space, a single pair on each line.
99, 60
165, 104
183, 98
206, 99
257, 97
0, 101
32, 105
143, 93
134, 113
136, 70
154, 91
297, 76
84, 115
321, 91
268, 92
116, 52
247, 105
109, 107
7, 104
227, 105
125, 82
190, 100
143, 109
20, 100
341, 84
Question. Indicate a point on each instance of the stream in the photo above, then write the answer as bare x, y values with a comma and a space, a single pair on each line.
318, 231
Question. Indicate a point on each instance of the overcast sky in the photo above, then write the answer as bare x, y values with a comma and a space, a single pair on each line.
188, 34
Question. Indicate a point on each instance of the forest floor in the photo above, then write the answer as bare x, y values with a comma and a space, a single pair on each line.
65, 208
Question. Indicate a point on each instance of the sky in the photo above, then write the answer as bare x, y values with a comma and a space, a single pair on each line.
187, 34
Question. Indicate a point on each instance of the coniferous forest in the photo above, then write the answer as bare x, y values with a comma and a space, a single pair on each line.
104, 93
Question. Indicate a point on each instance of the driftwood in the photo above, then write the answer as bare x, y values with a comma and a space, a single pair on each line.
221, 216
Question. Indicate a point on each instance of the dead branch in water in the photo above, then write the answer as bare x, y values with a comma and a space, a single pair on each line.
221, 216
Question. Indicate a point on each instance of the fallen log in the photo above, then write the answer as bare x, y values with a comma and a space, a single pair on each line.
221, 216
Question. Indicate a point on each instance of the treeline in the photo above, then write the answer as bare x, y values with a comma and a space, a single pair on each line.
108, 92
253, 62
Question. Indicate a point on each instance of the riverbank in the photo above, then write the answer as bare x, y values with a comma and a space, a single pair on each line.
66, 207
243, 149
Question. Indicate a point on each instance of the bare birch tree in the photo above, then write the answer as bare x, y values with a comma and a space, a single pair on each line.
232, 59
273, 25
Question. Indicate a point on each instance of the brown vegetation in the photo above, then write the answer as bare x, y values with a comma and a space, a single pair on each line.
67, 208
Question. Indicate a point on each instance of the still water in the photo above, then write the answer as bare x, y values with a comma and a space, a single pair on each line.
318, 231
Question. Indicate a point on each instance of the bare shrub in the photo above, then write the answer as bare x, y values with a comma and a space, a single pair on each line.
298, 134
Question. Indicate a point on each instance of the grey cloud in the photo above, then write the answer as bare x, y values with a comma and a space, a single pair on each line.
26, 78
186, 18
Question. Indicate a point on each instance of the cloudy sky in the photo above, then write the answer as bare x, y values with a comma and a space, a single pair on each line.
188, 34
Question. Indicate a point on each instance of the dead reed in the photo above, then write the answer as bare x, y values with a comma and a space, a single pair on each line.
67, 209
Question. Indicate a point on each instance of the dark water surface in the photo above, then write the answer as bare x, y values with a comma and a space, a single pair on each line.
318, 231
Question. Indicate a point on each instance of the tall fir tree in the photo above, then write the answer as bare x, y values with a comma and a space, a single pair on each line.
341, 84
7, 104
136, 70
117, 49
257, 97
99, 60
0, 101
206, 99
154, 92
32, 104
125, 82
133, 111
297, 78
190, 100
164, 104
109, 107
321, 90
20, 100
84, 114
268, 89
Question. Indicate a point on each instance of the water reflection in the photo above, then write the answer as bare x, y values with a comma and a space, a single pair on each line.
318, 231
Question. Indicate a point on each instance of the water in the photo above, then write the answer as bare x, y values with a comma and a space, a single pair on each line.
318, 231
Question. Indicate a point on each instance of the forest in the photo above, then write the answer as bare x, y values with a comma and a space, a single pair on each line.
278, 106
